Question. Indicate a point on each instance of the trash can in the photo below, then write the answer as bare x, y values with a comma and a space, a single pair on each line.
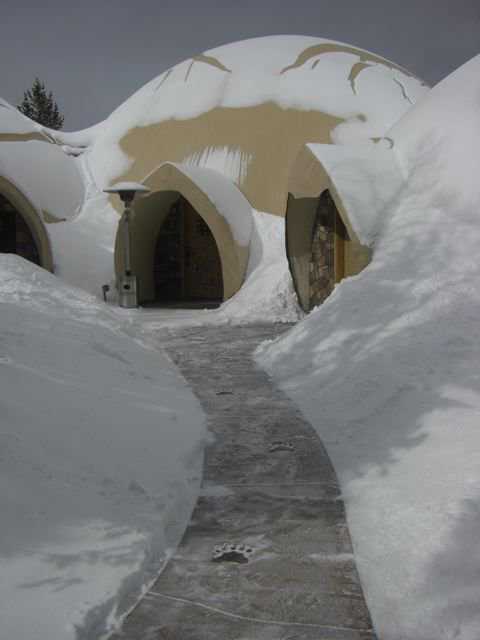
127, 292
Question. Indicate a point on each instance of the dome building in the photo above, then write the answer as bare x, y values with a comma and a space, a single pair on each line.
289, 126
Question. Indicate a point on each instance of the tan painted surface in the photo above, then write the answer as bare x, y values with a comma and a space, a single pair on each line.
270, 135
331, 47
166, 184
23, 137
32, 218
212, 61
49, 218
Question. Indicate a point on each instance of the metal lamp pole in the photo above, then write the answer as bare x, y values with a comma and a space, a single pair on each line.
127, 285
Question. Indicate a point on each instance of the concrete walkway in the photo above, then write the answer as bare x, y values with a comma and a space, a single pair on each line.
267, 554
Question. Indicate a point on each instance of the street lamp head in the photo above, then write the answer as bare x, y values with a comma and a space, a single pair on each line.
127, 190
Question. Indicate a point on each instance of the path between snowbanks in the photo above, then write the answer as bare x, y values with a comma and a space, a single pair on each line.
270, 491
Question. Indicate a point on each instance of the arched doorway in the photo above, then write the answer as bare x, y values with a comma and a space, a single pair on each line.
187, 266
322, 243
15, 234
327, 259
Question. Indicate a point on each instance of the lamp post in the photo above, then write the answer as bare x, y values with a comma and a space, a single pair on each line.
127, 285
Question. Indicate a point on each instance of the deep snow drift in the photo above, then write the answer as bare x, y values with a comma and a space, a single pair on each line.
101, 447
387, 369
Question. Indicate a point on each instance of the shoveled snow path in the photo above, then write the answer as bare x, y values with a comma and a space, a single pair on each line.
268, 484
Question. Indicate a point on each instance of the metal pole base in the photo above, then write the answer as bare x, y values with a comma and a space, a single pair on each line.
127, 288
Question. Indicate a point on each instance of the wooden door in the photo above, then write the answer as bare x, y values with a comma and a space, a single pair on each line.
187, 264
203, 269
168, 261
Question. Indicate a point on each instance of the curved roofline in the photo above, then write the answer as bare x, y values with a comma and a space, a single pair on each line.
309, 177
192, 184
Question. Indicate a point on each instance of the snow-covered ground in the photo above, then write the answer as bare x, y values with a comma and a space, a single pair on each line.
387, 369
101, 447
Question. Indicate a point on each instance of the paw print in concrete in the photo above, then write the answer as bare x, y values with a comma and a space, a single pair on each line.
229, 552
281, 445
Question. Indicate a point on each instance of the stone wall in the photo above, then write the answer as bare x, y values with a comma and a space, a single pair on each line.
322, 265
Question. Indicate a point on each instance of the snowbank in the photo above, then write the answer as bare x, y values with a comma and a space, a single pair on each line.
267, 295
387, 371
101, 448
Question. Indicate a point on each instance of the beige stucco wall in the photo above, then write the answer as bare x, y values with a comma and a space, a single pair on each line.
270, 137
166, 184
32, 219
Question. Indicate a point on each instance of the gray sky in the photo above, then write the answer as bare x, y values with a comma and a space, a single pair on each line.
94, 54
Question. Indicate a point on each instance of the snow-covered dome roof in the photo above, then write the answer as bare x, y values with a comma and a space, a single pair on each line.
245, 109
12, 122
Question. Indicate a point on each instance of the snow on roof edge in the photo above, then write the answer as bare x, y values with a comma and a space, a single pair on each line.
366, 178
228, 200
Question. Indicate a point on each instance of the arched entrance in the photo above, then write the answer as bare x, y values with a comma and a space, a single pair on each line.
318, 247
327, 259
322, 198
187, 266
220, 205
15, 234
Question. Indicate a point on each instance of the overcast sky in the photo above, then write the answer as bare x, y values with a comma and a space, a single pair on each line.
94, 54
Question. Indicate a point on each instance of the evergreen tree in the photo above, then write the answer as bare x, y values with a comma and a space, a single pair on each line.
40, 106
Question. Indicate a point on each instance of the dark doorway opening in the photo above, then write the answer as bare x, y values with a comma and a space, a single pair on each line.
187, 266
15, 235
